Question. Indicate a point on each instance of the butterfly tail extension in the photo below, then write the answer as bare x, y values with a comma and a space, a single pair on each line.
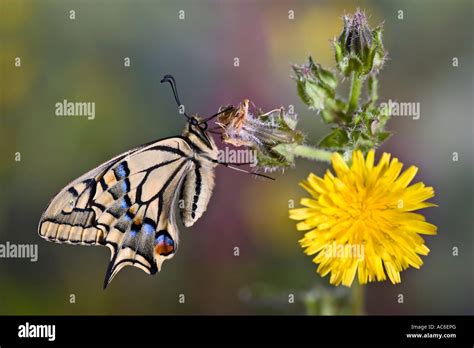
127, 256
132, 243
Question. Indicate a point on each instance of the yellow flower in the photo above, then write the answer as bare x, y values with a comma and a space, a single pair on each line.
361, 220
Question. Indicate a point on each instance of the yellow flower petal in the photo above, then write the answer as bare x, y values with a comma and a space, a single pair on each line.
406, 177
369, 163
338, 164
301, 213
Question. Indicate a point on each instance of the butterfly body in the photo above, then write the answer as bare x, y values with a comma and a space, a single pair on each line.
128, 203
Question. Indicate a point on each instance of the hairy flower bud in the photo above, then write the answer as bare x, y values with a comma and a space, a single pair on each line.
359, 48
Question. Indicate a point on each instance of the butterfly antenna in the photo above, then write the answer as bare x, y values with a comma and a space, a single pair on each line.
170, 79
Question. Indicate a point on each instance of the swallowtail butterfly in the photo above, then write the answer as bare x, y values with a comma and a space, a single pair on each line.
128, 202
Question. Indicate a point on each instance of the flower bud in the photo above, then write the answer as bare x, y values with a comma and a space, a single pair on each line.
359, 48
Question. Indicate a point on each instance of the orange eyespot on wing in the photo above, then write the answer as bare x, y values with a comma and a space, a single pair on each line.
164, 243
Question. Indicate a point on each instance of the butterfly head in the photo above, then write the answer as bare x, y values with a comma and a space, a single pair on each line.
196, 132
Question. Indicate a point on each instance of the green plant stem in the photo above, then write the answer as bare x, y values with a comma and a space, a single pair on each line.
373, 84
312, 153
357, 299
356, 85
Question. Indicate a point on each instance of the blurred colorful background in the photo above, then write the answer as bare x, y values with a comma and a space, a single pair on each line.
83, 60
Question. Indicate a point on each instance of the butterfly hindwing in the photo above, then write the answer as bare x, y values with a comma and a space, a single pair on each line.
147, 234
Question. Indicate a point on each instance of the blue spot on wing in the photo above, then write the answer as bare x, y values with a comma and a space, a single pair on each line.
148, 229
124, 204
162, 239
121, 172
133, 234
125, 187
169, 241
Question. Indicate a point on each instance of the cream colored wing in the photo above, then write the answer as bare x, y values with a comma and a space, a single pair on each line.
126, 204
